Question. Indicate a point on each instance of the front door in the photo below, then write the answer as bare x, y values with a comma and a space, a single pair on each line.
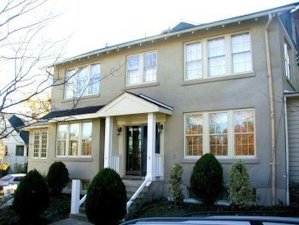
136, 150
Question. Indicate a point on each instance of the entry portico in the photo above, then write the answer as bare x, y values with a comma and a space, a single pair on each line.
133, 135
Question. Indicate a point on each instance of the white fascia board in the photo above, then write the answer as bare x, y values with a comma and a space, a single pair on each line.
73, 118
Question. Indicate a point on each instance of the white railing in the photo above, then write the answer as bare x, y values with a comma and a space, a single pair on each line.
159, 165
145, 183
76, 202
115, 163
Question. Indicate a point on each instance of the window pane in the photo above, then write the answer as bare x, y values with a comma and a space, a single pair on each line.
61, 148
62, 130
74, 131
241, 53
94, 79
36, 145
19, 150
86, 138
73, 136
193, 133
244, 132
216, 53
82, 82
218, 123
150, 67
133, 73
44, 144
70, 84
193, 64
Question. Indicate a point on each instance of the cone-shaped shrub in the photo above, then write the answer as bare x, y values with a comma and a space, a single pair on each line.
57, 177
240, 191
175, 180
207, 179
106, 198
31, 198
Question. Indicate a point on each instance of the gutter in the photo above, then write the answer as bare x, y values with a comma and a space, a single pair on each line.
287, 147
272, 112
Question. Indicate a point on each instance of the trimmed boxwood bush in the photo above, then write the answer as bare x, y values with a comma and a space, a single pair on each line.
175, 180
31, 198
57, 178
240, 191
207, 179
106, 198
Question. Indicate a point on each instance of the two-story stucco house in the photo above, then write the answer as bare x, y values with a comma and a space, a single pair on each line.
141, 106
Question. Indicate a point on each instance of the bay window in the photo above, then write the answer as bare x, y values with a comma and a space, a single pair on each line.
82, 81
142, 68
221, 56
74, 139
225, 134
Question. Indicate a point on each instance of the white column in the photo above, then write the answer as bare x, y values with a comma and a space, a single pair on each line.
75, 199
151, 145
108, 141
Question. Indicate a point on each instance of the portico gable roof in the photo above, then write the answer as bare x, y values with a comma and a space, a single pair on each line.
130, 104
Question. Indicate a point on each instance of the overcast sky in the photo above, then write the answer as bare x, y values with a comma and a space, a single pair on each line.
90, 24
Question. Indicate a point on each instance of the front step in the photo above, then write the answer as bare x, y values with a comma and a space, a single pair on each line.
131, 186
79, 217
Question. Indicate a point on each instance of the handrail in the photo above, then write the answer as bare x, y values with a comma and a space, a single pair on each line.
145, 183
82, 200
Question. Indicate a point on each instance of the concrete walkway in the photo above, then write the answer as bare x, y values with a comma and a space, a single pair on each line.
70, 222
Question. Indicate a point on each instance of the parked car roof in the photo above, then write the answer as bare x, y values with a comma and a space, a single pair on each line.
215, 220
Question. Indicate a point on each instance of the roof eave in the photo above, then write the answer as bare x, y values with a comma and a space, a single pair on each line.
167, 35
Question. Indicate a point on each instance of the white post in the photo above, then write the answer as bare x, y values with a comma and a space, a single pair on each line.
75, 200
108, 142
151, 144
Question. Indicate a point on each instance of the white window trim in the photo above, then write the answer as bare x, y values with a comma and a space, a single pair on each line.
185, 59
287, 60
228, 56
230, 133
141, 69
76, 69
40, 144
67, 139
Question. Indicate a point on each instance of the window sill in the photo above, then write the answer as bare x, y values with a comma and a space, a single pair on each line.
75, 158
81, 98
228, 160
220, 78
37, 159
142, 85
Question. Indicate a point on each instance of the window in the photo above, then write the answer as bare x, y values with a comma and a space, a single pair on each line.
20, 150
193, 132
216, 59
142, 68
193, 64
244, 132
287, 64
40, 144
225, 134
241, 53
211, 57
218, 133
83, 81
74, 139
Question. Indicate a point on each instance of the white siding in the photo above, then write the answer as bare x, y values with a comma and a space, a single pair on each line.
293, 132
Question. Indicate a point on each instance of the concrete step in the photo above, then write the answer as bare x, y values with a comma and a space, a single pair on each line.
79, 217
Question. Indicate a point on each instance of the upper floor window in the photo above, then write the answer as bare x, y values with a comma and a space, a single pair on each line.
228, 133
287, 63
193, 62
142, 68
83, 81
20, 150
40, 144
227, 55
74, 139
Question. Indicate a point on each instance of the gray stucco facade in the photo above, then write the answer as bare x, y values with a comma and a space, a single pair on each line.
224, 93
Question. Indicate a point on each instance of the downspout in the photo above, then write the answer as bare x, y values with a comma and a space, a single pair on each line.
272, 115
287, 147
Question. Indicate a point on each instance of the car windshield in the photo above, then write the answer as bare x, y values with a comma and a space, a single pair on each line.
5, 178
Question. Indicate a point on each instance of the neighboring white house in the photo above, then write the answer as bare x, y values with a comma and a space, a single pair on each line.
15, 144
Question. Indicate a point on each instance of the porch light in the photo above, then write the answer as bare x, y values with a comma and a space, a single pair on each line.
119, 130
160, 128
